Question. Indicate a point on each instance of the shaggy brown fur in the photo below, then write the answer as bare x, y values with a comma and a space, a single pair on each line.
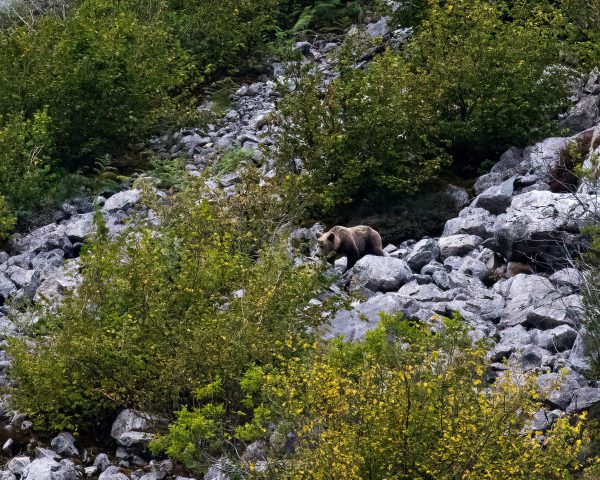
352, 243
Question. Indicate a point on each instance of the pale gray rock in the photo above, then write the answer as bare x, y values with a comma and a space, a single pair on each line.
129, 420
19, 276
543, 156
558, 389
508, 160
18, 465
584, 399
489, 180
102, 462
458, 245
583, 115
567, 277
64, 445
135, 441
541, 226
52, 290
122, 200
39, 238
578, 358
558, 339
472, 221
425, 251
424, 293
379, 28
496, 199
530, 357
544, 419
379, 274
555, 312
7, 287
48, 469
363, 317
459, 195
80, 227
113, 473
7, 475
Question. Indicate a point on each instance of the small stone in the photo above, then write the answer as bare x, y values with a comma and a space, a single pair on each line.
64, 445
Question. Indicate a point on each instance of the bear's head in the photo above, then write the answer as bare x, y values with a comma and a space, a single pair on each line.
326, 243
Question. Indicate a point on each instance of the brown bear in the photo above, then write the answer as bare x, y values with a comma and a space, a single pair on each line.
352, 243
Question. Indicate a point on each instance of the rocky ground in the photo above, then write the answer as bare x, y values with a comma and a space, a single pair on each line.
503, 263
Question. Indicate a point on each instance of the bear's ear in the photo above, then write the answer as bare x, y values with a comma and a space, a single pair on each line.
331, 237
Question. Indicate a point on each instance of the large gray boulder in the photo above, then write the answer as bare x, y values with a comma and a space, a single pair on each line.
458, 245
113, 473
40, 238
48, 469
425, 293
64, 445
584, 399
18, 465
424, 251
558, 339
541, 226
472, 221
542, 157
79, 227
52, 289
7, 287
131, 430
558, 390
584, 114
523, 293
380, 274
496, 199
363, 317
555, 312
122, 200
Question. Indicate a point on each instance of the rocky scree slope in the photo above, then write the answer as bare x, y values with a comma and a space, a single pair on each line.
525, 218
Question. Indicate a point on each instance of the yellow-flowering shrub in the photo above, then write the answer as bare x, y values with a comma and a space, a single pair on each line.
412, 408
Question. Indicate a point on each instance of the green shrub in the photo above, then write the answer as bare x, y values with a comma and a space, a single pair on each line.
101, 73
164, 311
365, 139
25, 161
226, 36
485, 68
7, 219
407, 404
469, 84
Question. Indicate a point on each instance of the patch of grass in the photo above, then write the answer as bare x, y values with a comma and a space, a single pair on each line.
231, 160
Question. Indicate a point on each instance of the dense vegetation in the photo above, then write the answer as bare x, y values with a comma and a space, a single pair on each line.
198, 313
153, 319
469, 85
88, 80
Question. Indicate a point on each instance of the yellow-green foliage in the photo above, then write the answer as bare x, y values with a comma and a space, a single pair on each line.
165, 310
408, 404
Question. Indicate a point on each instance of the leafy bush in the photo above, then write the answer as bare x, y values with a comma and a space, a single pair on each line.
7, 219
489, 77
100, 72
166, 310
226, 35
25, 161
405, 404
469, 84
365, 139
